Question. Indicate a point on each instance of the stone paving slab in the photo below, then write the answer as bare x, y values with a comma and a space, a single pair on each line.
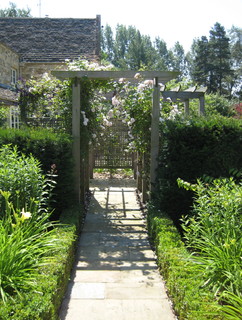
109, 309
115, 276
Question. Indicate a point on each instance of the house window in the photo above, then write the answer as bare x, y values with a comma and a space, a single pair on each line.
14, 117
13, 76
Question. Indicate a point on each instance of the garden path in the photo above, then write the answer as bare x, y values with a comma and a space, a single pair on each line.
115, 276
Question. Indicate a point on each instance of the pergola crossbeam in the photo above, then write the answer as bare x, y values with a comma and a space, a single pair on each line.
175, 95
163, 76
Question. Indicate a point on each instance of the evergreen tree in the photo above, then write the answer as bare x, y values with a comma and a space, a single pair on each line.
219, 59
210, 62
199, 65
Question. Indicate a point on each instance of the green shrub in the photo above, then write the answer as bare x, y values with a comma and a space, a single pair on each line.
50, 149
181, 274
21, 176
192, 148
213, 233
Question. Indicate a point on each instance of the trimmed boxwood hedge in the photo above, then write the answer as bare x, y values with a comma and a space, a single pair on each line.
192, 148
183, 280
49, 148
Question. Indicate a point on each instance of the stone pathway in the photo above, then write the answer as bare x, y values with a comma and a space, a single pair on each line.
115, 276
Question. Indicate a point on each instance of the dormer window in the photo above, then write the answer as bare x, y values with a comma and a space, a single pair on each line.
13, 76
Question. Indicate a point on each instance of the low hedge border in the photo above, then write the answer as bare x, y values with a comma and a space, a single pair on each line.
183, 280
44, 303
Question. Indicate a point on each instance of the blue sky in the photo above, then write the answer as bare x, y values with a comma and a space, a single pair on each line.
171, 20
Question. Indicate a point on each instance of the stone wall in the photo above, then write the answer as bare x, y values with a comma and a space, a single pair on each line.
36, 70
8, 60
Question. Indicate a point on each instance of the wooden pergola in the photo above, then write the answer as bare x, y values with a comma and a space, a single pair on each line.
157, 77
175, 95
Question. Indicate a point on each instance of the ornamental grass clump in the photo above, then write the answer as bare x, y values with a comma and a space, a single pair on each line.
27, 236
27, 241
213, 233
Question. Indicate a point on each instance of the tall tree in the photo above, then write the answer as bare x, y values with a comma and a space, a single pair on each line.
107, 43
163, 55
14, 12
120, 46
219, 59
199, 65
236, 59
178, 60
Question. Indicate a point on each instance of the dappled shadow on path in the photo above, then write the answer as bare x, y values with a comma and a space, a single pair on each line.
113, 250
114, 236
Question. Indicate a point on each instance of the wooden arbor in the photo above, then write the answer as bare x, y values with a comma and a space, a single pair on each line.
184, 96
156, 76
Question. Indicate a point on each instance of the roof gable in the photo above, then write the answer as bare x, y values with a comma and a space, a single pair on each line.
51, 40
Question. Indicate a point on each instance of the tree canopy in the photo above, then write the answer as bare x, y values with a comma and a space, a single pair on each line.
13, 11
214, 62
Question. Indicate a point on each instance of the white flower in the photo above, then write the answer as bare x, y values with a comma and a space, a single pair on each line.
174, 112
130, 135
132, 120
107, 123
94, 136
25, 215
46, 76
110, 113
148, 83
137, 76
115, 101
122, 80
85, 121
141, 87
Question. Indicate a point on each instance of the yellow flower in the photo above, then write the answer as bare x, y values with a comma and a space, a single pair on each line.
25, 215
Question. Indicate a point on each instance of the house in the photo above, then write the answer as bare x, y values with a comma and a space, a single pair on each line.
29, 47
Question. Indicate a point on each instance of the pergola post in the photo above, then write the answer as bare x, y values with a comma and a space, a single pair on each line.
155, 116
76, 101
186, 105
202, 106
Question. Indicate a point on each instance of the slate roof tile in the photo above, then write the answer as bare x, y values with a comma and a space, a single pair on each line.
51, 40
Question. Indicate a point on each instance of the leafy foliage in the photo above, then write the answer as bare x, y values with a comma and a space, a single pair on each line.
193, 148
213, 232
21, 176
53, 151
13, 11
43, 302
129, 49
26, 241
183, 277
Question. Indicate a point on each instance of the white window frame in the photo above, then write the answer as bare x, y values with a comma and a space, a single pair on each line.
14, 117
13, 76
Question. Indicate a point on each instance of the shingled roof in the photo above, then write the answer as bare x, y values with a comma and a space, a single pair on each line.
51, 40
